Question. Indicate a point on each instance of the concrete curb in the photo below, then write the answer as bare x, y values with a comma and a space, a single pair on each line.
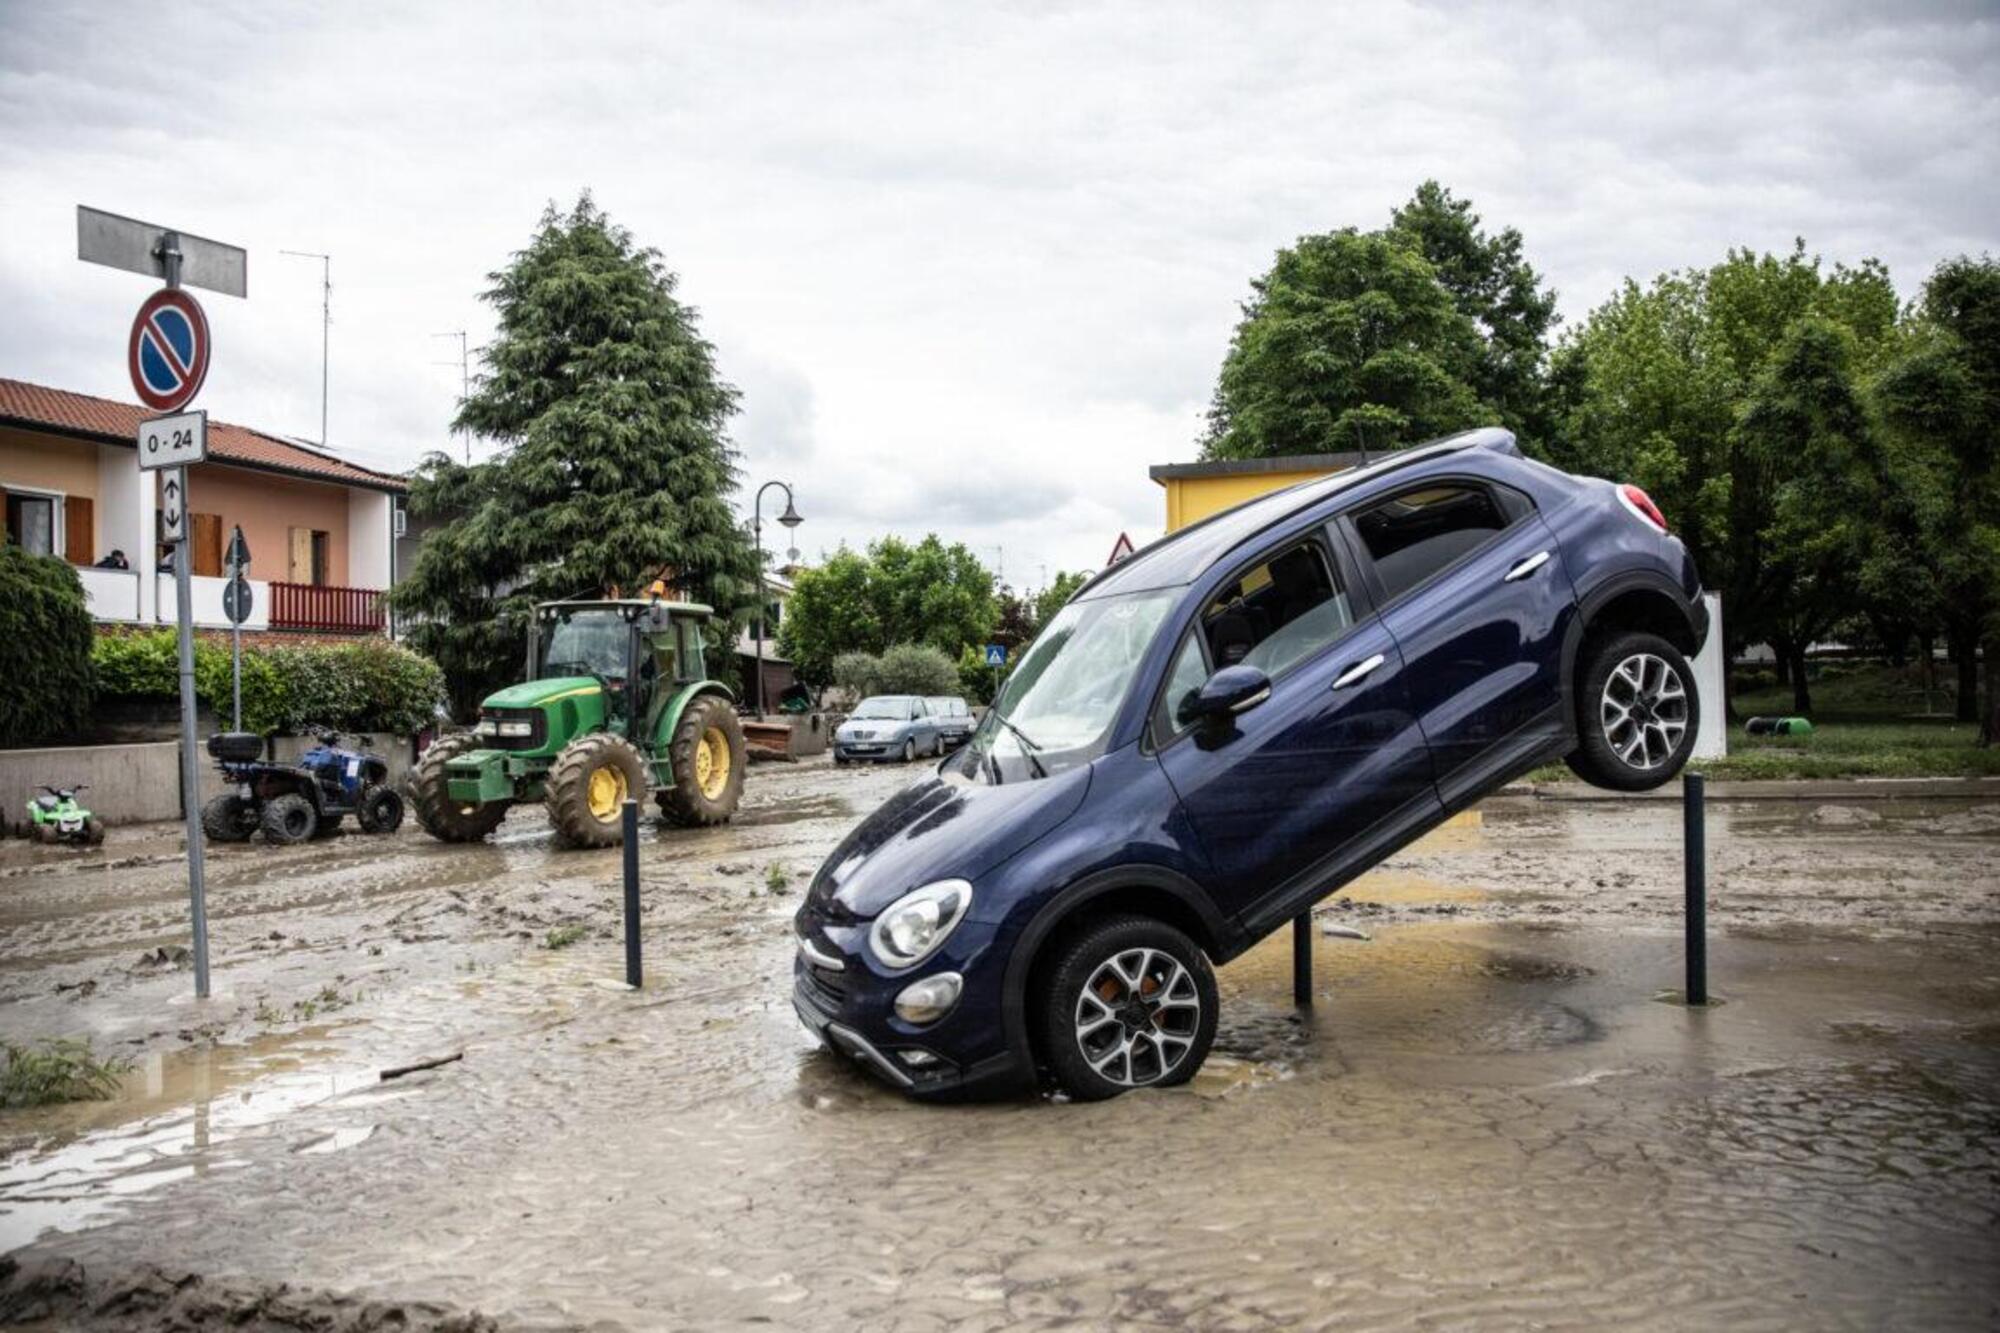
1779, 789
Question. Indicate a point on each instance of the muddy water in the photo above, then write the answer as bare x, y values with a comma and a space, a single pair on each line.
1488, 1117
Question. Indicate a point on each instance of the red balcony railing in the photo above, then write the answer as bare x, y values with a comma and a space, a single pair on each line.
337, 610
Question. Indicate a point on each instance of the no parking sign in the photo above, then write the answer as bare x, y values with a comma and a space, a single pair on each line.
168, 350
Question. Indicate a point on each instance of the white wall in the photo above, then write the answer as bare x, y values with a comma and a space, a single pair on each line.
205, 596
370, 535
125, 500
112, 594
1711, 738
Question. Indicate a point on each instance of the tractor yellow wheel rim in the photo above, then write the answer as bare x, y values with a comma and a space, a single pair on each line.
607, 792
711, 763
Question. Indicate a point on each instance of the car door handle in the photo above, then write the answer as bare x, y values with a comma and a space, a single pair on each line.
1526, 567
1357, 671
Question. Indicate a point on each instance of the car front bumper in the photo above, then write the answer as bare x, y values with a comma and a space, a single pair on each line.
850, 1008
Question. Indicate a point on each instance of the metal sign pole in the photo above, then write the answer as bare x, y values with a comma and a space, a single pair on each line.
190, 768
170, 258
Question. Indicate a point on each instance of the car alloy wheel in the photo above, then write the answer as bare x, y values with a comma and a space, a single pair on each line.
1644, 710
1137, 1017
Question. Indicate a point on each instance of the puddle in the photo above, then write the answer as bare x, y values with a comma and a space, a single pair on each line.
173, 1120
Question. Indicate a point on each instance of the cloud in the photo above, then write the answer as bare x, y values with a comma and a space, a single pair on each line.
973, 267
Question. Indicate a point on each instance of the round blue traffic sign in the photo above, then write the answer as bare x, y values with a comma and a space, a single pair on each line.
168, 351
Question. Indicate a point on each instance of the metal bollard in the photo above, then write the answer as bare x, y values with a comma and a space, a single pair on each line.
631, 849
1695, 849
1302, 959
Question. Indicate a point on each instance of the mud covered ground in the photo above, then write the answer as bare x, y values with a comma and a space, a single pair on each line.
1491, 1116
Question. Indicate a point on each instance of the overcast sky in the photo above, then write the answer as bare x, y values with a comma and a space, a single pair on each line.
973, 267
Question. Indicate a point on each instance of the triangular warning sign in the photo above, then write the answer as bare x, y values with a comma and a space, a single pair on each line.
1119, 549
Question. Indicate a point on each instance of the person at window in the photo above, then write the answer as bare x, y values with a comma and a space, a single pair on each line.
116, 560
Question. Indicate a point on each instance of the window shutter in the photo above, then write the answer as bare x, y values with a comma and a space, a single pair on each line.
79, 529
205, 532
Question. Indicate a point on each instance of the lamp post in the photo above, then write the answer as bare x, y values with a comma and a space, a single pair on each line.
791, 519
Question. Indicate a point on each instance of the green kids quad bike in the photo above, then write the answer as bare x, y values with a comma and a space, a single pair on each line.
615, 705
55, 816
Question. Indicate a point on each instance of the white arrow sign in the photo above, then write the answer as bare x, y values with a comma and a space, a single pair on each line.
173, 509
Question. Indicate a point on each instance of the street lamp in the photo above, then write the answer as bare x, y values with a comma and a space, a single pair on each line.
791, 519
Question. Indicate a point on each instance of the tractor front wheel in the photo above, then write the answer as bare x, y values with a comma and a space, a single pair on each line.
708, 757
443, 818
588, 786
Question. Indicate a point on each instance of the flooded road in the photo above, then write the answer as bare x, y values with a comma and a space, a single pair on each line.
1490, 1116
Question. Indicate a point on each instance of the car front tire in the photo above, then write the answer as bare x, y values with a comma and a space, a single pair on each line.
1129, 1002
1636, 712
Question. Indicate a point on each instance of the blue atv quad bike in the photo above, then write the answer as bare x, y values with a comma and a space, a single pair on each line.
55, 816
294, 802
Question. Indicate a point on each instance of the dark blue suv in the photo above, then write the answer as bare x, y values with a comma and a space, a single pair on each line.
1222, 730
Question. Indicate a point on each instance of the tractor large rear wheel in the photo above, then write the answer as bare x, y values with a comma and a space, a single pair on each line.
708, 757
441, 817
588, 786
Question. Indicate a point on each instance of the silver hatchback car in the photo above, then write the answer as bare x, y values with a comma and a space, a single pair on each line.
888, 726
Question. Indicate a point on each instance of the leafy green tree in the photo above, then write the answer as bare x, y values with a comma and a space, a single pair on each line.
1806, 428
615, 464
45, 645
1651, 386
1492, 284
1348, 342
896, 592
916, 668
1939, 398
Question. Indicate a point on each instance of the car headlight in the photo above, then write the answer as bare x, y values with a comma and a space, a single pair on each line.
486, 726
913, 927
929, 1000
518, 727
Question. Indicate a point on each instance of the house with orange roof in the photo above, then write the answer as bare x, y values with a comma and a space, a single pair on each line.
321, 530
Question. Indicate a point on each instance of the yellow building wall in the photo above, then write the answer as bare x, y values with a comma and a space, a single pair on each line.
1192, 499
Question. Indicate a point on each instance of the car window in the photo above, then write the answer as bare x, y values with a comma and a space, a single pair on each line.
1414, 535
1279, 612
1190, 669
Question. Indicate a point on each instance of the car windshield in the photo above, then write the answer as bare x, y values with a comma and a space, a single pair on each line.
585, 643
1056, 709
896, 709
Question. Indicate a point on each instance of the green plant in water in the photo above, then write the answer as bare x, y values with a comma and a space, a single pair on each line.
775, 878
61, 1069
562, 937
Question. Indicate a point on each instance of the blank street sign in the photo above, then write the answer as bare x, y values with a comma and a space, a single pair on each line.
127, 243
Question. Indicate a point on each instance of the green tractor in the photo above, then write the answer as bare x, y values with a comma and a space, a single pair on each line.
615, 706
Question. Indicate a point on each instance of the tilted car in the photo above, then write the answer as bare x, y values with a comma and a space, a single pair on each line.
1227, 727
954, 718
888, 726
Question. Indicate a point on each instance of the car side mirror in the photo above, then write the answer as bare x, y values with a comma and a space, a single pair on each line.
1231, 690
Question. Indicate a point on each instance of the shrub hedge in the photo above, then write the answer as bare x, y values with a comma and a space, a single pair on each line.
45, 634
368, 685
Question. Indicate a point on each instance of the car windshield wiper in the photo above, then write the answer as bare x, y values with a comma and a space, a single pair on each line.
1028, 745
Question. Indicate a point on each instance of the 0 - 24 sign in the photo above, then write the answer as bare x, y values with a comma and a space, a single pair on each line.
174, 441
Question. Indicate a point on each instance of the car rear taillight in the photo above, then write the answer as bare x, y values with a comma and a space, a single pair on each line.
1642, 504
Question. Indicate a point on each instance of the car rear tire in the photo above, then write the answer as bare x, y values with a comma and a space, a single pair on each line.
1129, 1002
588, 786
441, 817
381, 809
289, 819
1636, 712
229, 818
708, 758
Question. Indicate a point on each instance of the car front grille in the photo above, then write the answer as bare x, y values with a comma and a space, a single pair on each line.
823, 990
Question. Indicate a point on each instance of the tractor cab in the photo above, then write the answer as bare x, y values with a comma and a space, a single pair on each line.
630, 647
